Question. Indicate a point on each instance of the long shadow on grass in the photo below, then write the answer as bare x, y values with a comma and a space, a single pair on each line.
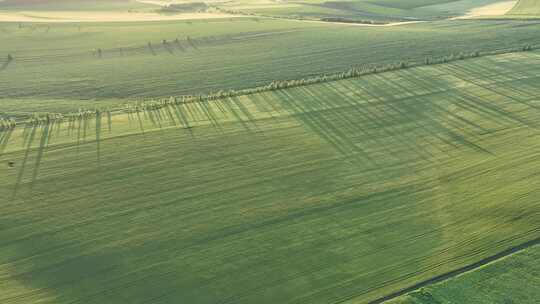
455, 132
5, 65
98, 137
316, 121
4, 139
206, 108
79, 127
422, 109
25, 159
456, 71
139, 120
413, 79
109, 121
394, 112
368, 110
43, 142
179, 45
167, 46
181, 115
167, 109
235, 106
192, 43
467, 102
424, 112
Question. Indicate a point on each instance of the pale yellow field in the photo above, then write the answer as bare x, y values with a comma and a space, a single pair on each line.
169, 2
70, 16
491, 10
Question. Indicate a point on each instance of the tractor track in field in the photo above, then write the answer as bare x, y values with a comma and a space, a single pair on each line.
457, 272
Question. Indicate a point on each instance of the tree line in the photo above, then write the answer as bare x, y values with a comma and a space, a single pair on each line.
155, 104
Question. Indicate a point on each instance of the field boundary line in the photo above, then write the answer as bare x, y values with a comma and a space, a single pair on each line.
454, 273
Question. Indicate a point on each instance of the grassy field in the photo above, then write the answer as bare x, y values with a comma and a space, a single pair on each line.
340, 192
514, 279
95, 65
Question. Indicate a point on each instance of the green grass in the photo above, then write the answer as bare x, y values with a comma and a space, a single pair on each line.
224, 54
333, 193
514, 279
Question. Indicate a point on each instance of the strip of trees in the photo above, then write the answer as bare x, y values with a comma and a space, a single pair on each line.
156, 104
7, 124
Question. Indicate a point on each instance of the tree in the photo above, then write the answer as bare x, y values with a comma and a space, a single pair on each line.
9, 57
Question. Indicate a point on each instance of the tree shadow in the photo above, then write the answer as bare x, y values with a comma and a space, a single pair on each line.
192, 43
27, 151
5, 64
43, 143
98, 137
151, 48
179, 45
4, 139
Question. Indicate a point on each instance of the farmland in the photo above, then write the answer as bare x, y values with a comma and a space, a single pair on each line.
73, 5
514, 280
339, 192
269, 151
526, 8
108, 64
379, 11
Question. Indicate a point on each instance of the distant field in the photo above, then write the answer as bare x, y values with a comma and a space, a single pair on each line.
374, 10
526, 8
364, 11
220, 54
514, 279
74, 5
340, 192
82, 11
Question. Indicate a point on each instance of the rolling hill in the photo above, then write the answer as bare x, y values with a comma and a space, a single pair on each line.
339, 192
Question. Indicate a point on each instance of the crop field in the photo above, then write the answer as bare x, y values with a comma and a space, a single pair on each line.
514, 279
360, 10
74, 5
526, 8
340, 192
108, 64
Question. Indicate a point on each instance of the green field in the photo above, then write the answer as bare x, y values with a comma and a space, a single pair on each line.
220, 54
341, 192
514, 279
416, 182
